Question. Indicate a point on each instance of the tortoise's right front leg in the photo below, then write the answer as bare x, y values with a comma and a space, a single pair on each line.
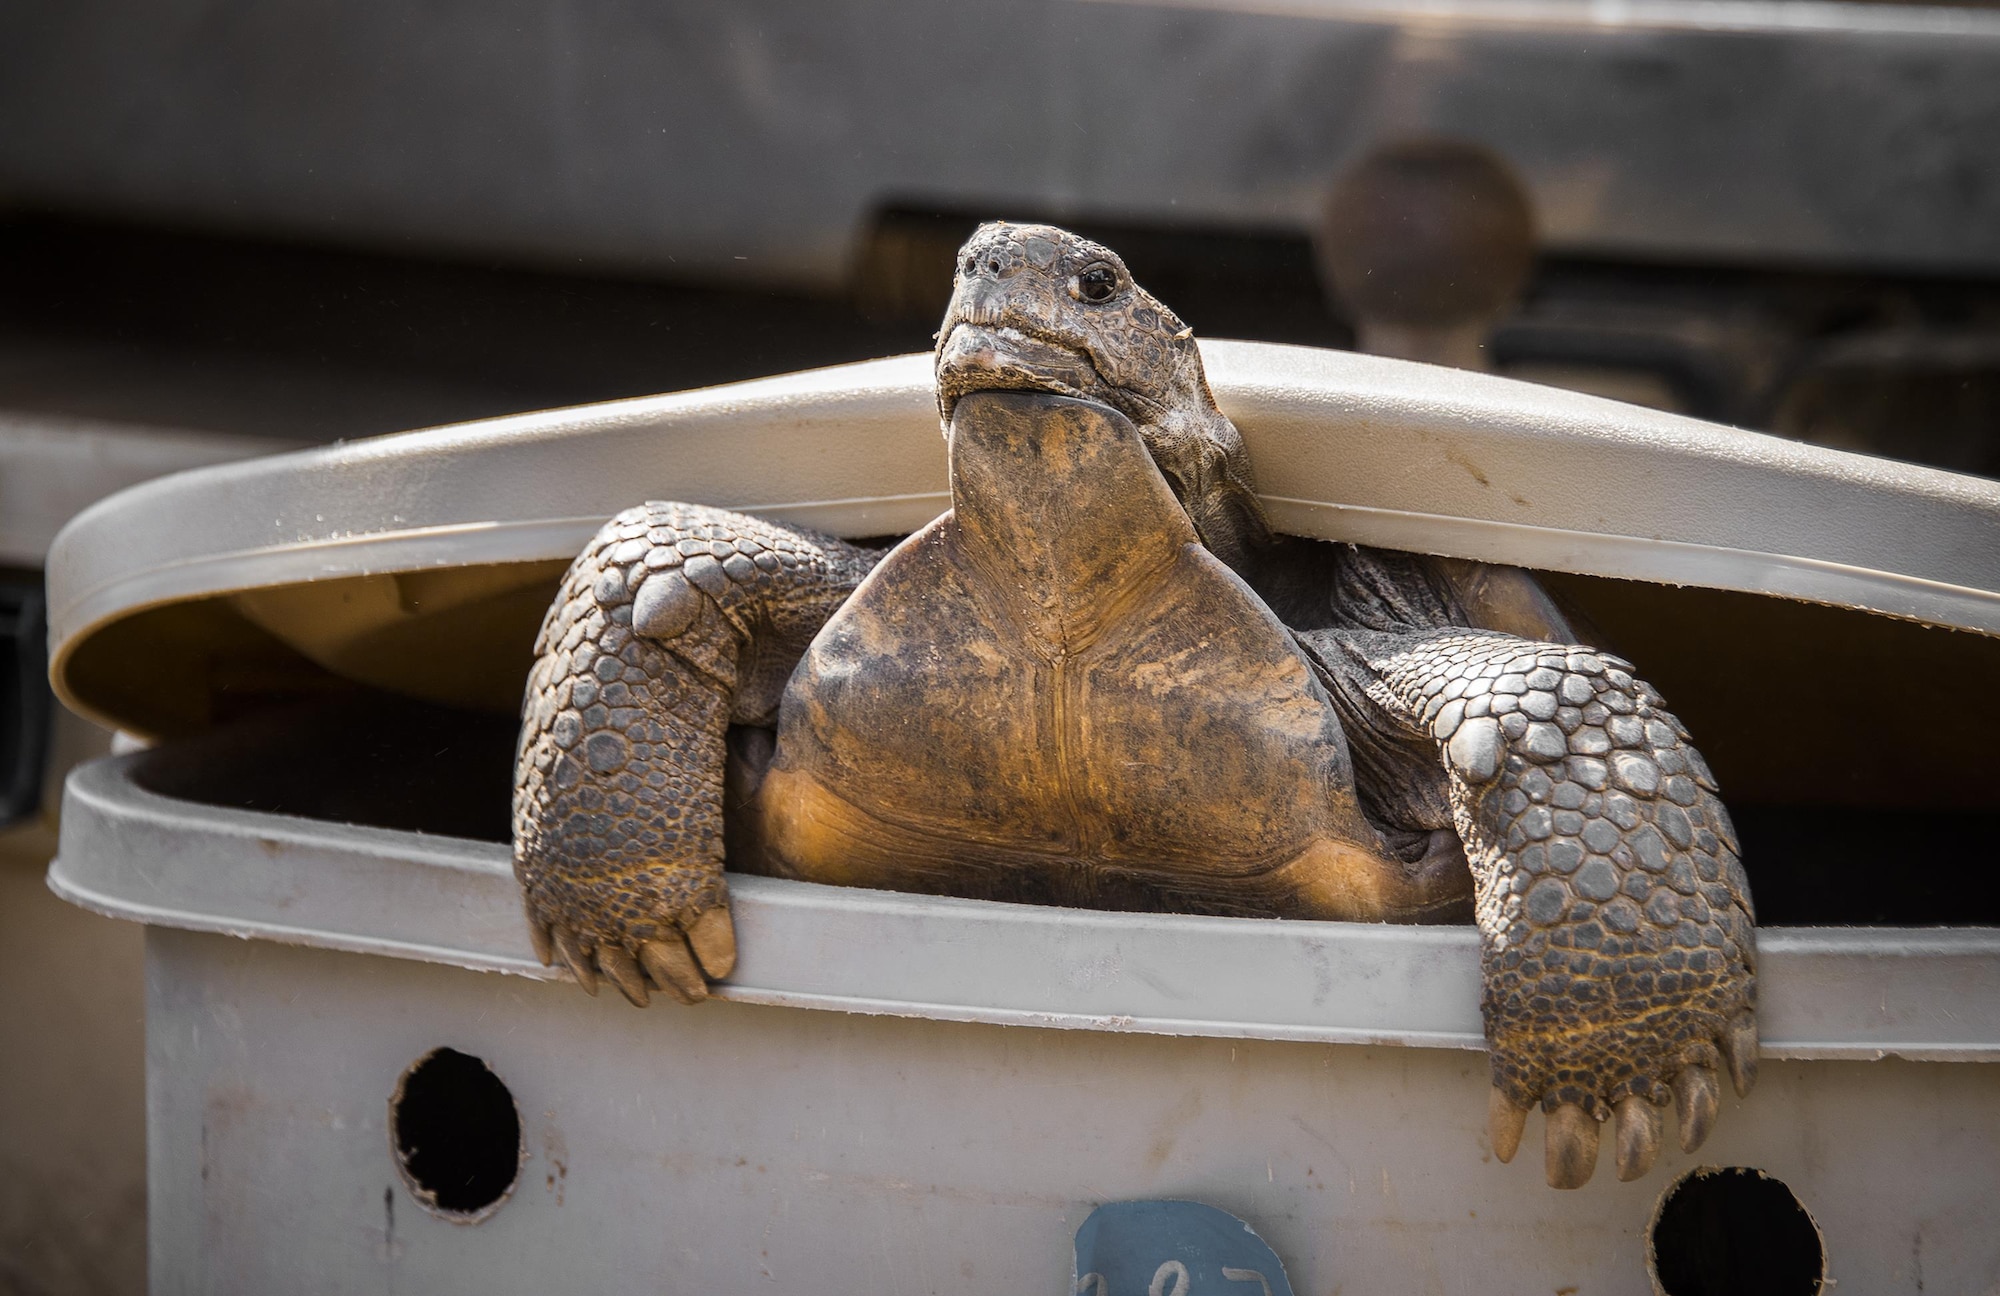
1618, 944
674, 623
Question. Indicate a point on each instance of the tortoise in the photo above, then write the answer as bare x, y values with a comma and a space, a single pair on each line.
1102, 680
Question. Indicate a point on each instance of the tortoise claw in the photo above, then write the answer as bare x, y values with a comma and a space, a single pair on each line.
576, 958
1739, 1049
1696, 1096
673, 969
1569, 1147
713, 939
1638, 1136
623, 973
1504, 1123
538, 936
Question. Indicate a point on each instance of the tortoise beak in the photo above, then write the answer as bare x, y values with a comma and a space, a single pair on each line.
982, 357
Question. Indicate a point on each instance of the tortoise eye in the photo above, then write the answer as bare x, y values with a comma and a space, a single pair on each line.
1097, 283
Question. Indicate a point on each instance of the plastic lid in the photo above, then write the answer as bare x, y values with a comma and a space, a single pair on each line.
422, 562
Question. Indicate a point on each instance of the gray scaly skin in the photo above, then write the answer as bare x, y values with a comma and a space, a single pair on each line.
676, 622
1615, 918
1617, 936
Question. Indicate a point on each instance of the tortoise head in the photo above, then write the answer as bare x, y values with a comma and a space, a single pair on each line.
1038, 308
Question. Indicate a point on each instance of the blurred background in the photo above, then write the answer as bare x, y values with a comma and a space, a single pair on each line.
229, 227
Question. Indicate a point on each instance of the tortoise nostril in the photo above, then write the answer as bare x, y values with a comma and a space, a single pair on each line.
994, 265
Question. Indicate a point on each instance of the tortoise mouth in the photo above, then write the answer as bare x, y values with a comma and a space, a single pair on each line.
1005, 357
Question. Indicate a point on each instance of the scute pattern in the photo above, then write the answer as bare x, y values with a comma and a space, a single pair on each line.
676, 621
1616, 917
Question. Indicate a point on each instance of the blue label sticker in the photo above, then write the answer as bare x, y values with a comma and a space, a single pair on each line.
1173, 1248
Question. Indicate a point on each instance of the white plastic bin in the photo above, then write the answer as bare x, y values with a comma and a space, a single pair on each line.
911, 1094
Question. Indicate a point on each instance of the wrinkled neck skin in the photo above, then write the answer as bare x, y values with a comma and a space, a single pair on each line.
1022, 317
1201, 454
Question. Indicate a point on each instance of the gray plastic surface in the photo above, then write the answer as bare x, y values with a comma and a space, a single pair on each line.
740, 1148
1931, 994
754, 141
1345, 446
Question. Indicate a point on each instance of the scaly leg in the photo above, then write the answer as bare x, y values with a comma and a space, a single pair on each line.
675, 622
1618, 944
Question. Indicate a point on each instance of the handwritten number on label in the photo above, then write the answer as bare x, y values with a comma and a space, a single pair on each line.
1093, 1284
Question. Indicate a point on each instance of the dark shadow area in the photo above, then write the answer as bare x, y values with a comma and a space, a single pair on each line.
371, 758
261, 337
1818, 866
457, 1132
25, 700
368, 758
1735, 1232
239, 334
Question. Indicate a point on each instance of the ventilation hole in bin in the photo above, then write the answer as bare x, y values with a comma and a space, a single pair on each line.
457, 1135
1720, 1231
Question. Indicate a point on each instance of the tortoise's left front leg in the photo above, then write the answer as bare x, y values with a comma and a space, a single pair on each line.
1618, 947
